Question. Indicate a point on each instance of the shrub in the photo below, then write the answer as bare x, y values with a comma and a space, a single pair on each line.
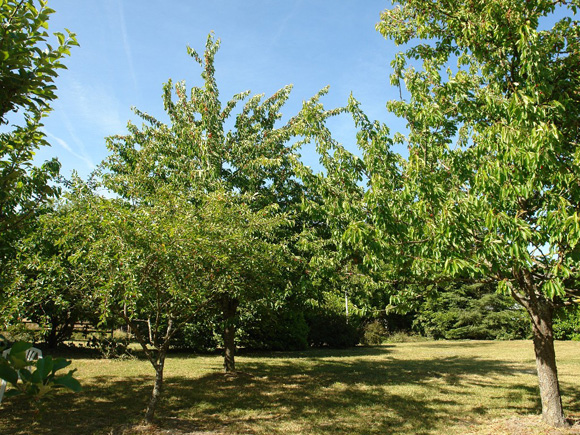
474, 312
34, 379
198, 336
567, 323
274, 329
404, 337
374, 333
110, 347
332, 329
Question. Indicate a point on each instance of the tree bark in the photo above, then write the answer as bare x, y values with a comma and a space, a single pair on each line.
229, 307
156, 394
52, 337
541, 311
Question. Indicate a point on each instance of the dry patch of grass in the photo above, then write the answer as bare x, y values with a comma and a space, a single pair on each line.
441, 387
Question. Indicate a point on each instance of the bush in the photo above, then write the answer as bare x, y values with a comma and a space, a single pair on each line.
567, 323
110, 347
198, 336
332, 329
282, 329
374, 333
404, 337
474, 312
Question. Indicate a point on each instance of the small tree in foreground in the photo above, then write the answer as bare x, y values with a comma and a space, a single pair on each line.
34, 379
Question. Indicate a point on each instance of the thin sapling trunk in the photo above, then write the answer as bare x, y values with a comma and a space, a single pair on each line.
229, 307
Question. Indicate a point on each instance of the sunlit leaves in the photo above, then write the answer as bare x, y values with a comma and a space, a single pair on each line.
27, 71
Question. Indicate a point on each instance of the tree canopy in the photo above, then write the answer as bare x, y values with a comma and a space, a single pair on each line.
489, 188
29, 64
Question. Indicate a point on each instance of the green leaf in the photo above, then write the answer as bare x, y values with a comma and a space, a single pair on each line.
8, 374
59, 364
19, 347
44, 366
60, 37
69, 382
25, 375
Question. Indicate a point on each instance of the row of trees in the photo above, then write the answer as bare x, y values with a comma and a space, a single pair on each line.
205, 219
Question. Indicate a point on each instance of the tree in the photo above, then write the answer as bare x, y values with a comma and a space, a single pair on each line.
491, 179
489, 190
471, 311
45, 287
28, 67
197, 152
157, 264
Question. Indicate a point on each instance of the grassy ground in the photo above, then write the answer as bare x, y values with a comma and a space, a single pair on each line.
408, 388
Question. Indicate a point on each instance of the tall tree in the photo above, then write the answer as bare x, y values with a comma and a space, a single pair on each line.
492, 176
29, 64
197, 152
489, 189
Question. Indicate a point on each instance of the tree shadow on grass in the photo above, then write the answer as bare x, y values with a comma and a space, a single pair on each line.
332, 396
101, 405
571, 399
366, 392
457, 344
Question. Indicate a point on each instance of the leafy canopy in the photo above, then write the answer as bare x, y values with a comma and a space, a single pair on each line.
28, 66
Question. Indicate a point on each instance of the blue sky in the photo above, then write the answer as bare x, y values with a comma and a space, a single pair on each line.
129, 48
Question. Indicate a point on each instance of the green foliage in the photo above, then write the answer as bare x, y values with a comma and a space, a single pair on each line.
329, 325
28, 69
374, 333
197, 150
47, 288
263, 327
29, 64
567, 323
159, 263
471, 312
493, 123
37, 379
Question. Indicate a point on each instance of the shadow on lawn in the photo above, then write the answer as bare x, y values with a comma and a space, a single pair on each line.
310, 393
330, 397
94, 410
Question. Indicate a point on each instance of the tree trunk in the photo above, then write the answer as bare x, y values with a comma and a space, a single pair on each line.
541, 311
157, 386
229, 307
51, 339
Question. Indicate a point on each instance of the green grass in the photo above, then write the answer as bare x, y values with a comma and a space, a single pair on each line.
404, 388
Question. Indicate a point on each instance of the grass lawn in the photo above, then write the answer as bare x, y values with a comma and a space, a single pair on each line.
442, 387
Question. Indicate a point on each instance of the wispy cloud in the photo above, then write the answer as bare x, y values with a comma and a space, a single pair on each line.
126, 44
81, 156
97, 104
284, 24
